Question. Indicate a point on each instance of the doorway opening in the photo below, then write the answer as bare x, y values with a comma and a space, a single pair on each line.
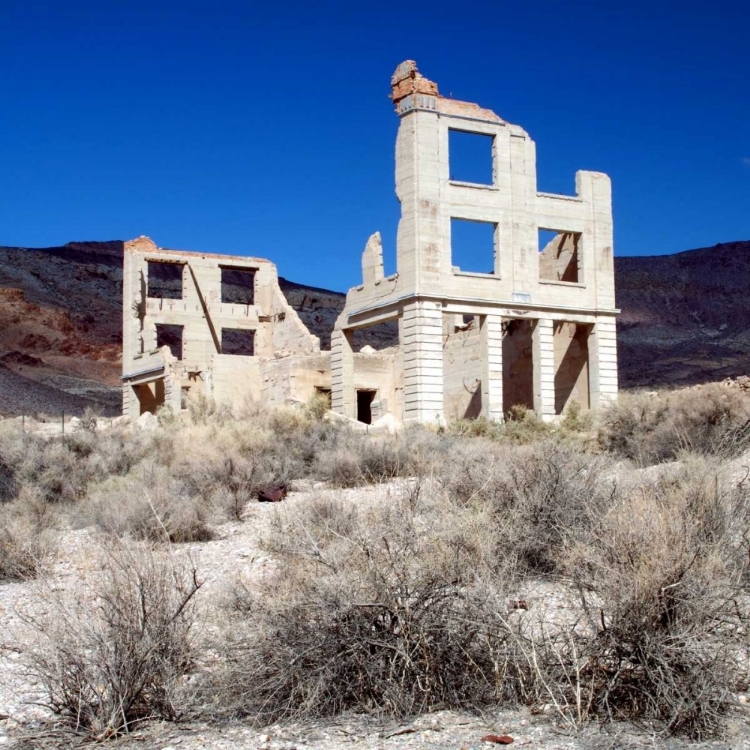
364, 405
518, 365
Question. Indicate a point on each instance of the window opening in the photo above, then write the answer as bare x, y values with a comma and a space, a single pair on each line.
364, 405
470, 157
171, 336
571, 365
165, 280
473, 246
559, 256
518, 365
150, 396
239, 341
238, 285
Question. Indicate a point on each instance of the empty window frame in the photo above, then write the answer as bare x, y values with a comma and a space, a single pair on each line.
470, 157
240, 341
165, 280
238, 285
171, 336
473, 246
559, 256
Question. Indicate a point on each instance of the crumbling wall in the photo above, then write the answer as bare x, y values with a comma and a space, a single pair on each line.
572, 279
571, 365
206, 318
559, 260
374, 371
462, 370
235, 380
294, 379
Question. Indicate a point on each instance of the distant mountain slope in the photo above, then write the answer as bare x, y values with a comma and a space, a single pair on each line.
685, 319
61, 326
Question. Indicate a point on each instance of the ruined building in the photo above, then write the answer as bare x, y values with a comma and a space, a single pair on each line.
533, 326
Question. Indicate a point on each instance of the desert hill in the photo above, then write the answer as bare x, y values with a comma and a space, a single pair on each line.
685, 319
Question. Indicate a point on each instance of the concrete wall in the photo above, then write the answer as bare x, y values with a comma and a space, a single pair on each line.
544, 322
571, 366
278, 331
462, 371
571, 281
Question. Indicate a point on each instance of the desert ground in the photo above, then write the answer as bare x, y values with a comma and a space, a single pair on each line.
583, 585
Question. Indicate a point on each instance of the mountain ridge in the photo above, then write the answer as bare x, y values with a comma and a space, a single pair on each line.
684, 320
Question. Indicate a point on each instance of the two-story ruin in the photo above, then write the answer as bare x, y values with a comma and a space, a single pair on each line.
531, 324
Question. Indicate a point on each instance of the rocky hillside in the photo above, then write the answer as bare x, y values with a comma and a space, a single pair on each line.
685, 319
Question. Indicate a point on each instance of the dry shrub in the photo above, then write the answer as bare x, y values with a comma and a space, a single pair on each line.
532, 495
659, 574
234, 461
372, 607
357, 458
113, 653
479, 427
521, 427
712, 420
11, 453
8, 484
62, 470
26, 538
150, 504
317, 406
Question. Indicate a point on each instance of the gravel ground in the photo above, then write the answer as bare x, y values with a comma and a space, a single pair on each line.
235, 552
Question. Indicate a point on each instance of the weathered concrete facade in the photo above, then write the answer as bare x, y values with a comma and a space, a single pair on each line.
213, 323
537, 328
533, 327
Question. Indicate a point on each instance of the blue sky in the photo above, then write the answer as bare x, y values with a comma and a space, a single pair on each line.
265, 129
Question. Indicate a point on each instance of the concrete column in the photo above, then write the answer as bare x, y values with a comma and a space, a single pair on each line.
544, 369
343, 396
131, 406
595, 189
491, 336
133, 294
423, 363
603, 362
172, 391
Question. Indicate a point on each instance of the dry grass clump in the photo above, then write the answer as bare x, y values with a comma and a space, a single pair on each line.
150, 504
532, 495
236, 459
375, 607
397, 603
710, 420
114, 653
26, 537
521, 426
400, 606
356, 459
660, 574
62, 470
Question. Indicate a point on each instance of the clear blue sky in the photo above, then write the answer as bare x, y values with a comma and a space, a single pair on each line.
239, 127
